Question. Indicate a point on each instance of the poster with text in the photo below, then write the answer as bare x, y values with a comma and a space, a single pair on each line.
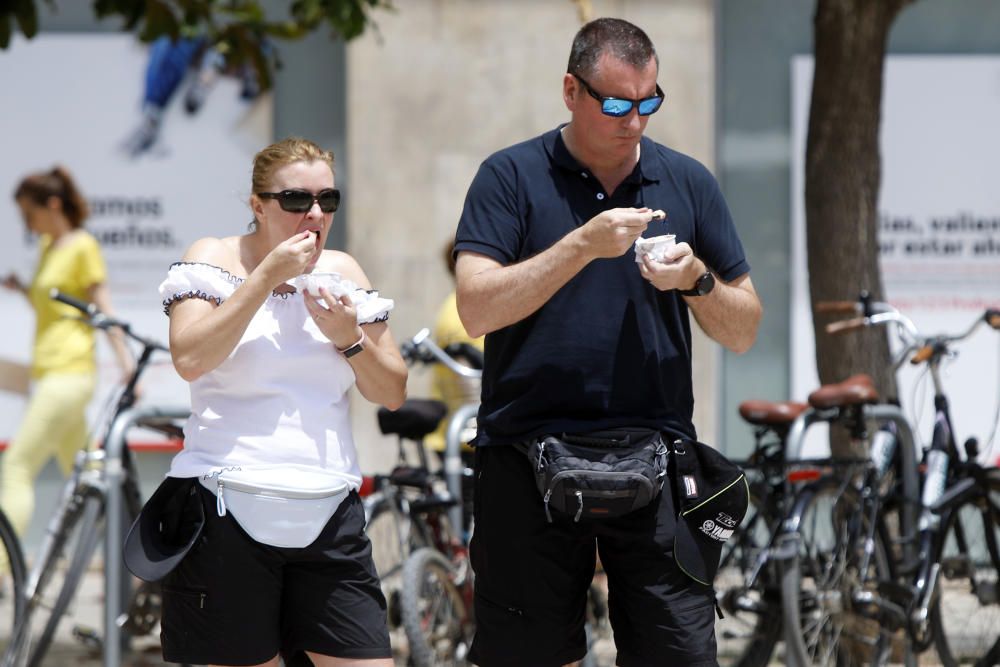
160, 139
939, 230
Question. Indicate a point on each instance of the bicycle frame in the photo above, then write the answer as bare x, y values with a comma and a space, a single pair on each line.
922, 536
454, 467
109, 474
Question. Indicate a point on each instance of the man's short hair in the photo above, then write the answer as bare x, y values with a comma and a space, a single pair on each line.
625, 41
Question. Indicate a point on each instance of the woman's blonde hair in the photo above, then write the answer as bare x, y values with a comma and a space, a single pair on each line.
282, 153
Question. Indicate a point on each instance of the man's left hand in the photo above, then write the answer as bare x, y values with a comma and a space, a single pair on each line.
679, 269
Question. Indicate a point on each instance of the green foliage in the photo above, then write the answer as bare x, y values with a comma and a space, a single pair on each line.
239, 29
21, 12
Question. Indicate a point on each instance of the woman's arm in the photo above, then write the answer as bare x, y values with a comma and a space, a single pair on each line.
203, 334
100, 296
379, 368
13, 283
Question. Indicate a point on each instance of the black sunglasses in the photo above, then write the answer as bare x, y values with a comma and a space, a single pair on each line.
300, 201
621, 106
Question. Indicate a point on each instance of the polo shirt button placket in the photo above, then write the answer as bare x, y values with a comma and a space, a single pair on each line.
600, 196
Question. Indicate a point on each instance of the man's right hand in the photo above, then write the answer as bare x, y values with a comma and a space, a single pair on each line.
611, 233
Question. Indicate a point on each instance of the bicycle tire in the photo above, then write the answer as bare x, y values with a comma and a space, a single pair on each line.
965, 617
393, 539
752, 624
820, 579
51, 550
12, 579
387, 536
86, 528
434, 612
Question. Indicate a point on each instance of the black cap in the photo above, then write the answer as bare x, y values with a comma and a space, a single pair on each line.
713, 495
170, 523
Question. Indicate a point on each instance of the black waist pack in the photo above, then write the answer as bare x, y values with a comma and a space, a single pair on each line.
600, 474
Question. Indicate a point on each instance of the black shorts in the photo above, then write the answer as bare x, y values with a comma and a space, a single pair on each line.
234, 601
532, 578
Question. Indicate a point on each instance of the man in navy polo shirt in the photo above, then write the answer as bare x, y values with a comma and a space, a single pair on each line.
581, 337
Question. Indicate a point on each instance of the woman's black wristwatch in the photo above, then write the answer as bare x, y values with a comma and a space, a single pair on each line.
702, 286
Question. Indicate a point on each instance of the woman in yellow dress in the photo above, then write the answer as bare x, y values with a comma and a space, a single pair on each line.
63, 369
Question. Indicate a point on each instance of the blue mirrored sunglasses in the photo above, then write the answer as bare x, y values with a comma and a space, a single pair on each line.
620, 106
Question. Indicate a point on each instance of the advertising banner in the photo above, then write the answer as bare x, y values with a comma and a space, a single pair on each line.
160, 140
939, 229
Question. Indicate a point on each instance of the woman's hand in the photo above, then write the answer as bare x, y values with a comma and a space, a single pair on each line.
289, 258
336, 317
12, 282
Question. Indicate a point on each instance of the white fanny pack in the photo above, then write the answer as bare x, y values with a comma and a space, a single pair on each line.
284, 506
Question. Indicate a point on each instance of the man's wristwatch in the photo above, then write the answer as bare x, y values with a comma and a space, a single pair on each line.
702, 286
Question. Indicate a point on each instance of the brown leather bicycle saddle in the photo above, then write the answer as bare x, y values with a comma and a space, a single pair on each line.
771, 413
856, 390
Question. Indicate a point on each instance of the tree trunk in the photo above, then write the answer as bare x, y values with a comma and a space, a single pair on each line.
842, 178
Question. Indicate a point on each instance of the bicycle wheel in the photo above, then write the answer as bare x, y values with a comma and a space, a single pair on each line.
389, 536
829, 569
436, 615
62, 563
84, 538
12, 575
965, 619
390, 532
752, 623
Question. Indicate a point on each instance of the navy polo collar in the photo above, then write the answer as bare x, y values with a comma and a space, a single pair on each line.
648, 170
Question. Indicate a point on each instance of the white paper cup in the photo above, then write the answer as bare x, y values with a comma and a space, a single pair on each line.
311, 282
655, 247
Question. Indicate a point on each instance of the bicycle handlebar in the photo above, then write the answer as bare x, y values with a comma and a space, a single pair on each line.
992, 318
843, 326
95, 318
837, 307
924, 349
421, 348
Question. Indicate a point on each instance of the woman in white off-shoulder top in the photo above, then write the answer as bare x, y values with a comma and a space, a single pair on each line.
270, 366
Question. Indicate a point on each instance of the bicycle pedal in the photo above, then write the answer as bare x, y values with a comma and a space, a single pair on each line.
870, 604
736, 600
89, 637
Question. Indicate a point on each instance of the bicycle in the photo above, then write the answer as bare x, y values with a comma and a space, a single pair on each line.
429, 522
956, 566
12, 578
410, 518
749, 578
747, 584
73, 531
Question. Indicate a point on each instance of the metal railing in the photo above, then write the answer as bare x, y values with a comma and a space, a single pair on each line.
114, 473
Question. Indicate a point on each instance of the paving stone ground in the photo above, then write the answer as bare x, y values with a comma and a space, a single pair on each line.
69, 652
